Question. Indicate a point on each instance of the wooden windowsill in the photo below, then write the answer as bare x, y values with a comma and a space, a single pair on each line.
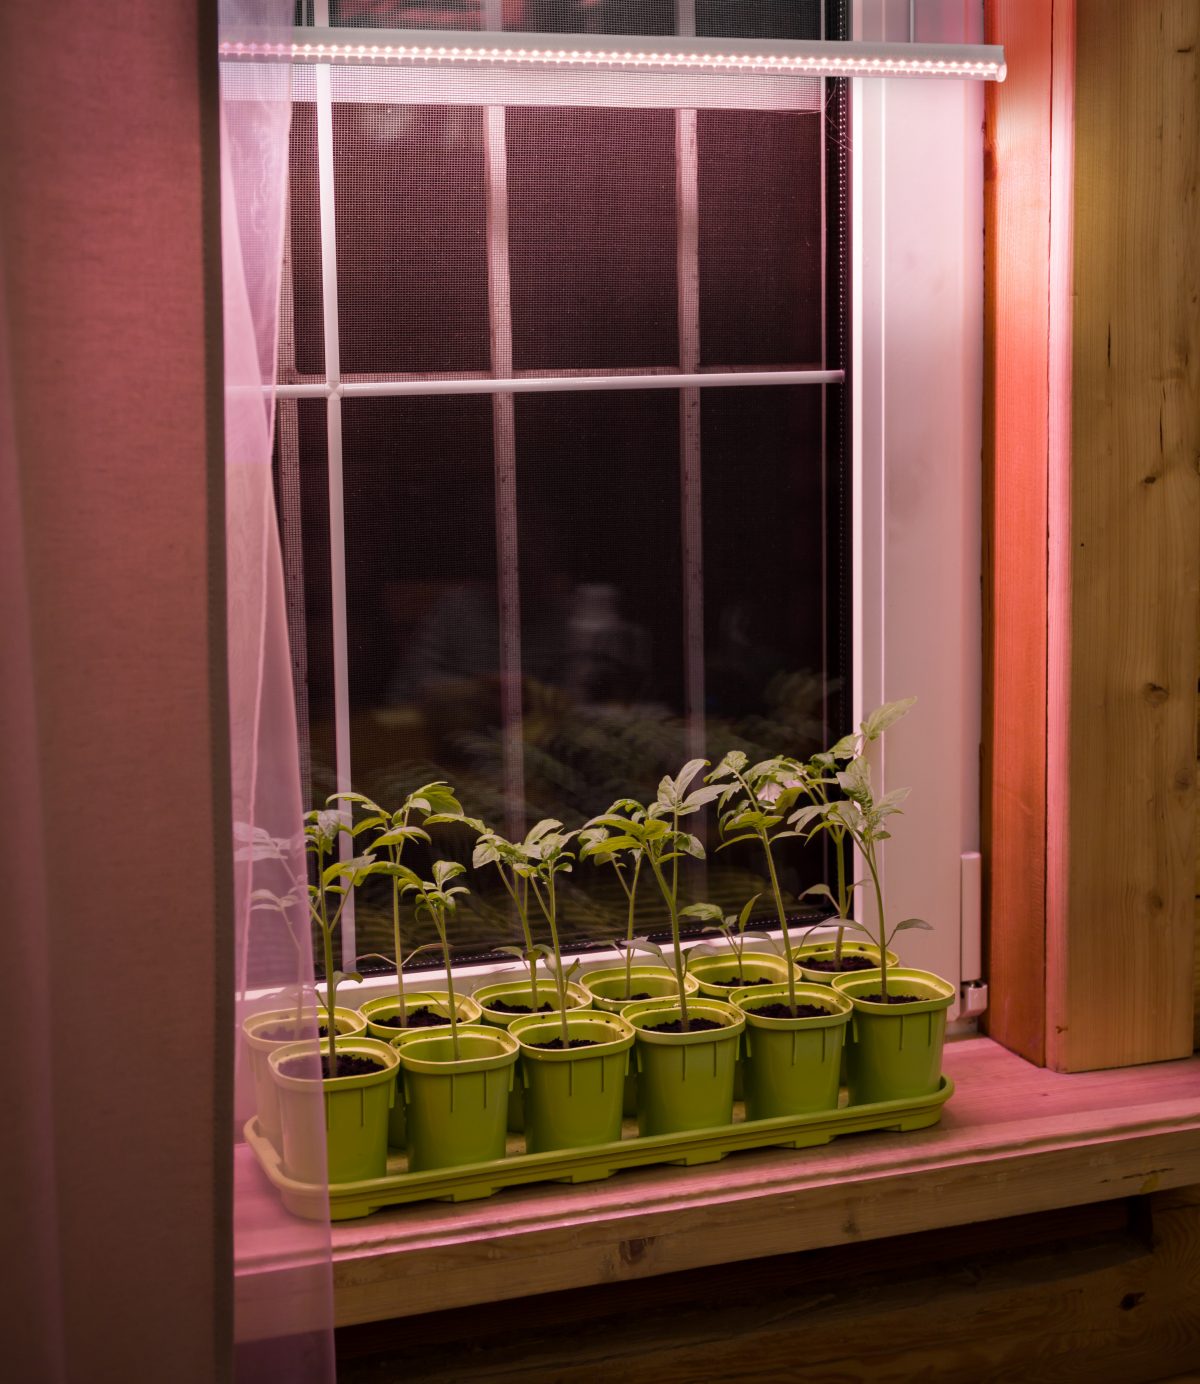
1014, 1139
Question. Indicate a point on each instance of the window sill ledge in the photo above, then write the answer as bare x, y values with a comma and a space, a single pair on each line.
1014, 1139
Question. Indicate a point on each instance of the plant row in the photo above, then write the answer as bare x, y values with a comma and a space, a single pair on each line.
668, 1036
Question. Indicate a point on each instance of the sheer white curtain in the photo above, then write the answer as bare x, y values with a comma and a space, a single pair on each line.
283, 1293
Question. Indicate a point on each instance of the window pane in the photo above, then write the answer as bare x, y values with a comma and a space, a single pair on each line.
760, 237
759, 18
775, 673
411, 237
301, 478
591, 205
308, 345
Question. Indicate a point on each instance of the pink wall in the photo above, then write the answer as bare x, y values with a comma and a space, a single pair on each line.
103, 183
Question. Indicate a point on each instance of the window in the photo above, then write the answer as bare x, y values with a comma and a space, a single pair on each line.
552, 592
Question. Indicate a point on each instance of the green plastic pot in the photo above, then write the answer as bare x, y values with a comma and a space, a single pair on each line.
896, 1052
714, 973
607, 990
266, 1094
685, 1079
385, 1005
517, 989
792, 1066
573, 1096
867, 949
356, 1113
456, 1107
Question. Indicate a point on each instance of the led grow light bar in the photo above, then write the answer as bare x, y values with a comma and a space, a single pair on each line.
454, 48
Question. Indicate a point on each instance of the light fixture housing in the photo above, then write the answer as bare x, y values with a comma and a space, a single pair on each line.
467, 49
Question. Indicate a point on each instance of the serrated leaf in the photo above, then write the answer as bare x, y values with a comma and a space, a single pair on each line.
803, 816
686, 775
700, 798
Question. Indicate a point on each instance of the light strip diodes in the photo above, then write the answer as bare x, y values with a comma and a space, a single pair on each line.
463, 49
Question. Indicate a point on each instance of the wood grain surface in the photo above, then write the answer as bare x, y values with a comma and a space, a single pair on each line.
1092, 1297
1016, 1139
1119, 973
1017, 188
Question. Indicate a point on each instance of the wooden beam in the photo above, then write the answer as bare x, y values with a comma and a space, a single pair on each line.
1017, 190
1120, 935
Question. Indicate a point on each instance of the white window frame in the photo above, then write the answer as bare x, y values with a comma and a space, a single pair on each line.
916, 247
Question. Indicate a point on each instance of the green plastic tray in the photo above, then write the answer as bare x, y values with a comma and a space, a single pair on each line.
348, 1200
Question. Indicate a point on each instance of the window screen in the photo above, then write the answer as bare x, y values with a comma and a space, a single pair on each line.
554, 592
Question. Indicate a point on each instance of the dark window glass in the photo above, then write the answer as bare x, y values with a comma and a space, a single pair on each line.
412, 249
590, 528
760, 237
591, 204
306, 345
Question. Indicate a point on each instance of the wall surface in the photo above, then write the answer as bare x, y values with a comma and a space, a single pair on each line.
105, 178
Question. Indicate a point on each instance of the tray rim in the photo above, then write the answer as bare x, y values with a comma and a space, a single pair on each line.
524, 1169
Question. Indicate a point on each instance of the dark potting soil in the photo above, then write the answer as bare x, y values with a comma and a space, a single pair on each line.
641, 995
781, 1011
741, 982
348, 1064
419, 1018
556, 1043
676, 1026
850, 962
892, 999
503, 1007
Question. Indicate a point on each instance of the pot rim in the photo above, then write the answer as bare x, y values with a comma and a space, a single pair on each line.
528, 1024
841, 1012
358, 1043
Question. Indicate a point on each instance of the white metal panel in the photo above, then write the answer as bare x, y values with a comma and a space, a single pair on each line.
918, 401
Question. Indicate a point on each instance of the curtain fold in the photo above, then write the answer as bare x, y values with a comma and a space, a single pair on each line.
283, 1282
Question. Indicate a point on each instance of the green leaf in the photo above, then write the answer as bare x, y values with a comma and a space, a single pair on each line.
706, 912
733, 762
909, 923
446, 870
361, 799
887, 715
821, 889
642, 944
339, 976
690, 845
734, 840
747, 909
686, 775
392, 870
398, 835
702, 796
801, 818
